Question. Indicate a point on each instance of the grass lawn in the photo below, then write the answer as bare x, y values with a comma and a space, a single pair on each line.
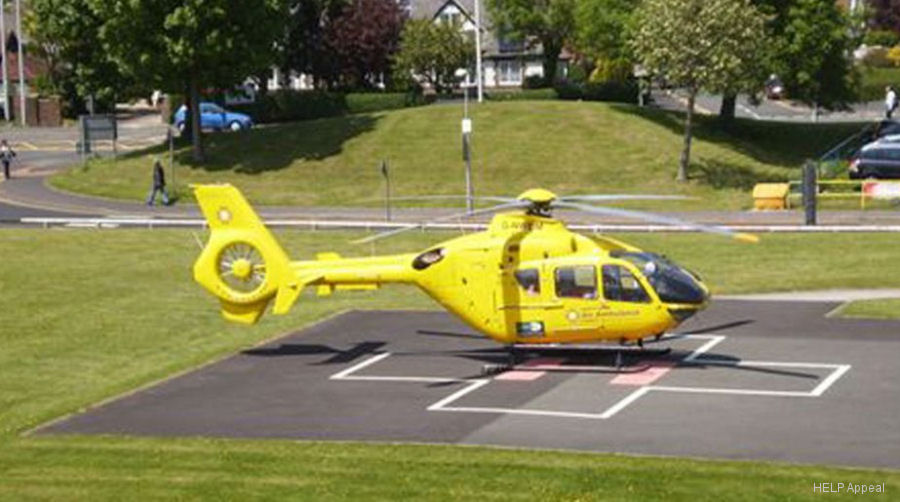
872, 309
568, 147
874, 81
90, 314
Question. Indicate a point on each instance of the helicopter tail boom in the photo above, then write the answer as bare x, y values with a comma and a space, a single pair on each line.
242, 264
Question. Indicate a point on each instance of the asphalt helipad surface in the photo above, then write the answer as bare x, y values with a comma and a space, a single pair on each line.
745, 380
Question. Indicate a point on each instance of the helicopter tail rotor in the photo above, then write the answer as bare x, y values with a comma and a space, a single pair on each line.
242, 264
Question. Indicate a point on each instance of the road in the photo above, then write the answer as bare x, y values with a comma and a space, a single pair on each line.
781, 110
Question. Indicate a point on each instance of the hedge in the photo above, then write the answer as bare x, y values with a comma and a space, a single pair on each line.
523, 94
290, 105
623, 92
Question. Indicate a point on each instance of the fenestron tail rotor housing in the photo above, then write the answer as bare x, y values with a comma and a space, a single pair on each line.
241, 268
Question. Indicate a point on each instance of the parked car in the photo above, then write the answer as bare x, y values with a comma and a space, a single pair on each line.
879, 159
213, 116
885, 128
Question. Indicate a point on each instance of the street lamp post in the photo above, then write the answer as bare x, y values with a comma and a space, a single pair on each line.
478, 76
19, 36
466, 134
5, 94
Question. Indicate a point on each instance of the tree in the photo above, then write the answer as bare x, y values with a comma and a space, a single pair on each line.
191, 44
550, 22
303, 47
812, 55
363, 39
885, 14
66, 32
696, 44
600, 31
432, 52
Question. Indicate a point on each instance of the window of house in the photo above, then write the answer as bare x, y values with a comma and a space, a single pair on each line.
621, 285
530, 280
510, 72
452, 18
576, 282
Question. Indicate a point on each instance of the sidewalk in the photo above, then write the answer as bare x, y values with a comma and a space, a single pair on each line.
31, 191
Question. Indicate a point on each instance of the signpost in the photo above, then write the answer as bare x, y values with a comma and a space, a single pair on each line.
96, 128
387, 190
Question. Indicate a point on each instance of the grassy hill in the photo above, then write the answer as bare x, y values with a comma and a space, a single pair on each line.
125, 313
568, 147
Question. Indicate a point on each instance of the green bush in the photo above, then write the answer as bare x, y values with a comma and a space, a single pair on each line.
884, 38
533, 82
622, 92
374, 102
290, 105
606, 70
523, 95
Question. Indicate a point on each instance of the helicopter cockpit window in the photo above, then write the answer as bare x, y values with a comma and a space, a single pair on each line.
529, 280
622, 286
576, 282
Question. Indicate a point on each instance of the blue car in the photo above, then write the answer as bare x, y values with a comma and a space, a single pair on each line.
213, 116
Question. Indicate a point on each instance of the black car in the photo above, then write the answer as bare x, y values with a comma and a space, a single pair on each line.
880, 159
885, 128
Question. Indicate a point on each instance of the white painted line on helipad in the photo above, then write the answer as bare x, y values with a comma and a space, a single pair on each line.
838, 370
621, 405
353, 369
822, 387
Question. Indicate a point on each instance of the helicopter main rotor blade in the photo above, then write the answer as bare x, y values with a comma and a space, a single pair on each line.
413, 226
617, 197
656, 218
486, 198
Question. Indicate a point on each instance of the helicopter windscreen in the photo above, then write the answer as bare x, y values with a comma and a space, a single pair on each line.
672, 283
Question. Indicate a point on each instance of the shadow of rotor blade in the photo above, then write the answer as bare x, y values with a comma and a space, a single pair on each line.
720, 327
449, 334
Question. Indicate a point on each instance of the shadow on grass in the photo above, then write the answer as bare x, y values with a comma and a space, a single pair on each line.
268, 148
719, 175
783, 144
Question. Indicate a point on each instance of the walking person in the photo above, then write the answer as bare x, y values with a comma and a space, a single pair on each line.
890, 101
6, 156
159, 184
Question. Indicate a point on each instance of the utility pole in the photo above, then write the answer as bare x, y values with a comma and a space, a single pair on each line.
5, 94
19, 36
478, 76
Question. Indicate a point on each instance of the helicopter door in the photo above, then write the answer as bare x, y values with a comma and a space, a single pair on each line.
627, 303
576, 291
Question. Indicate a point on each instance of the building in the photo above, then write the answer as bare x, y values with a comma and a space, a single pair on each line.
505, 62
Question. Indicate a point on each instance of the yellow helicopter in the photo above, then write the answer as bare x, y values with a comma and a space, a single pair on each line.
525, 280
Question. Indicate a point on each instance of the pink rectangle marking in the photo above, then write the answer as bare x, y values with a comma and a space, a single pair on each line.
646, 377
523, 374
520, 376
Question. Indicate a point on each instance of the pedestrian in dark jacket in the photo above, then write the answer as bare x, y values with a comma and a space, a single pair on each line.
6, 156
159, 184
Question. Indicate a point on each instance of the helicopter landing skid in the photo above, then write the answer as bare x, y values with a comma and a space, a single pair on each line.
581, 350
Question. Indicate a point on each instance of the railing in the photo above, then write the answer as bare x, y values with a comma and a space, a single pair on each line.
846, 190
